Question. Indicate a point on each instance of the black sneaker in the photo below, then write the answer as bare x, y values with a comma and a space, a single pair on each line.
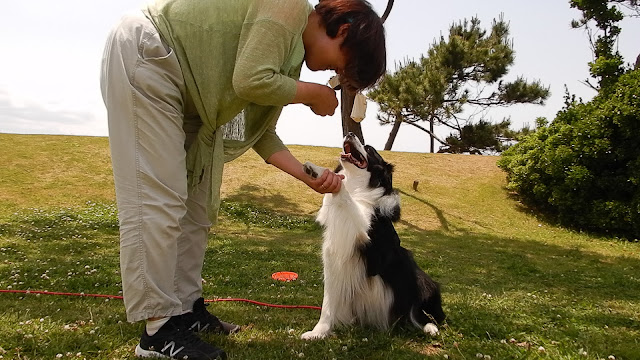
174, 341
202, 320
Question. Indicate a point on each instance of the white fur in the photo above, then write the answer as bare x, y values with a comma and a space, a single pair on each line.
349, 294
431, 329
388, 204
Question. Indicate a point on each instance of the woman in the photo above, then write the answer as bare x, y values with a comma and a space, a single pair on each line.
188, 85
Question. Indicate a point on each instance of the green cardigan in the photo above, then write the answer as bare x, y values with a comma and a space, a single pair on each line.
237, 56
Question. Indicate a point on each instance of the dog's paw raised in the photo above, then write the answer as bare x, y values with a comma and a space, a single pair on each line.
314, 335
311, 169
430, 329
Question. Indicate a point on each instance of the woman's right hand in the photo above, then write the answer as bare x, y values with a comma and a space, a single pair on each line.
326, 101
328, 182
320, 98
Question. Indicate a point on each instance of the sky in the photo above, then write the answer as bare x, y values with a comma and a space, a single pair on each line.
51, 54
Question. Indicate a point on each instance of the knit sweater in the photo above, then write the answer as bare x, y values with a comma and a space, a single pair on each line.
237, 57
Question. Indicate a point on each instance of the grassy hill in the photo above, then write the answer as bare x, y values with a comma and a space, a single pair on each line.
514, 286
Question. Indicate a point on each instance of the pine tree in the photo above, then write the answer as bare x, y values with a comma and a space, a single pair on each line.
465, 70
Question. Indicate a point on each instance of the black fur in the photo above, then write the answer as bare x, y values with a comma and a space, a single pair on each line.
412, 288
381, 171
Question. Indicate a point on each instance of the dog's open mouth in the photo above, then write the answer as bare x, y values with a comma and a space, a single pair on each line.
352, 155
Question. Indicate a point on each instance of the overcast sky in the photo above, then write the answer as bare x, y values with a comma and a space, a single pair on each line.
51, 53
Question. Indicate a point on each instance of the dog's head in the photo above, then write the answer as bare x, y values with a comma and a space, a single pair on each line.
362, 161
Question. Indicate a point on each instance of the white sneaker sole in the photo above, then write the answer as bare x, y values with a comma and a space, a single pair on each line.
140, 352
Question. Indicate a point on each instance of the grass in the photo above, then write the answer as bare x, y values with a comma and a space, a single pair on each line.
514, 287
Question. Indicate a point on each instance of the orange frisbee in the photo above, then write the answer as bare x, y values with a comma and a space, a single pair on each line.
284, 276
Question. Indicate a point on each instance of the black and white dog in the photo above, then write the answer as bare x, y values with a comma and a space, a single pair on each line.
368, 277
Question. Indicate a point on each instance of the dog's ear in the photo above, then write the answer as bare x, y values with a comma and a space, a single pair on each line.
381, 176
390, 167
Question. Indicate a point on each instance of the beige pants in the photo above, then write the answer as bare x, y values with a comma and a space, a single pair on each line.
163, 225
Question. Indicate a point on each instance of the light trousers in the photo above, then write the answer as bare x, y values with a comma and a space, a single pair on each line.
163, 224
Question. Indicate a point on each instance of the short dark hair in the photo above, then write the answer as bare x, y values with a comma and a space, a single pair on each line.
364, 44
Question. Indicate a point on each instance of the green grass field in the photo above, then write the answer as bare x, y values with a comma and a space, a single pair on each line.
514, 286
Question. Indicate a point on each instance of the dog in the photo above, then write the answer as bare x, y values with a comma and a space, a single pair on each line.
368, 277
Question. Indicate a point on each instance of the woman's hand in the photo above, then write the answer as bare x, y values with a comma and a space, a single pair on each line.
320, 98
325, 102
328, 182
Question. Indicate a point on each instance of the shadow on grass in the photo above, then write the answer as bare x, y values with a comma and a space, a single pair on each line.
54, 224
493, 287
265, 198
444, 223
493, 263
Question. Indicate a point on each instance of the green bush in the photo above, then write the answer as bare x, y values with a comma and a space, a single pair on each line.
584, 168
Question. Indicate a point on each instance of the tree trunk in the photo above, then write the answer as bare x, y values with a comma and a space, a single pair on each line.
433, 140
348, 125
393, 134
637, 63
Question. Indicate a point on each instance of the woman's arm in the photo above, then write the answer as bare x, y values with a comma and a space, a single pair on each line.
320, 98
328, 182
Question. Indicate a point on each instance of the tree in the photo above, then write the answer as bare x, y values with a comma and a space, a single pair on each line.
461, 72
348, 97
584, 168
484, 137
608, 64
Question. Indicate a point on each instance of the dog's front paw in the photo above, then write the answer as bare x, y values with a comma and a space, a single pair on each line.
314, 335
430, 329
312, 169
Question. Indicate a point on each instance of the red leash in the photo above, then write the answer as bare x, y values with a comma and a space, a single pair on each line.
120, 298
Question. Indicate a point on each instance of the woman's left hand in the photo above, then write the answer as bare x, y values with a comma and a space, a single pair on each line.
328, 182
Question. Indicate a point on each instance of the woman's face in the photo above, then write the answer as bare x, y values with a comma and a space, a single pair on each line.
324, 53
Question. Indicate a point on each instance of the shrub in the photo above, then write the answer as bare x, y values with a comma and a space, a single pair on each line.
584, 168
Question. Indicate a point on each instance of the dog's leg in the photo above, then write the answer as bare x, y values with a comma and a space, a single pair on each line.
313, 170
325, 324
330, 312
430, 329
419, 317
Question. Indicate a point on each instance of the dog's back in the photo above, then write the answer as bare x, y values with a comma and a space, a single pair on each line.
368, 276
414, 292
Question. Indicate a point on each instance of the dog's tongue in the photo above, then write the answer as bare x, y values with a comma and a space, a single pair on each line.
346, 155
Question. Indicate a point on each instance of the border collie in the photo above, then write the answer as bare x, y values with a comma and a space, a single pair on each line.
368, 277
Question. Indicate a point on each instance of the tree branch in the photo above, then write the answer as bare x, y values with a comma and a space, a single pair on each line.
427, 131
